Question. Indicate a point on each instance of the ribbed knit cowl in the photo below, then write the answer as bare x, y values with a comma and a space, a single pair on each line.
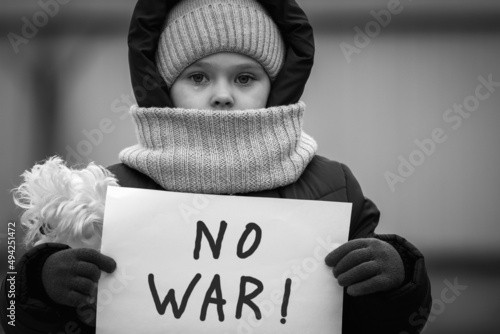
220, 151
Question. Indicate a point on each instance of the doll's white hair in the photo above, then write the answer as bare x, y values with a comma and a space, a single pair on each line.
62, 203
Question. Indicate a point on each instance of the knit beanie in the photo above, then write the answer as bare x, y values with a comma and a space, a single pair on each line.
198, 28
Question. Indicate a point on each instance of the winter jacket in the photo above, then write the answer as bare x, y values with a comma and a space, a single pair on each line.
396, 311
403, 310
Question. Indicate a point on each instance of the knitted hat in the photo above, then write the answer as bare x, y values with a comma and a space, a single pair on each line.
198, 28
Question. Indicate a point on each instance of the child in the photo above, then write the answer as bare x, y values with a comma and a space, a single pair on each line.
218, 86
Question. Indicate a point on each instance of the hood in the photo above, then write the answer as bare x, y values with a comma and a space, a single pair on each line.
150, 89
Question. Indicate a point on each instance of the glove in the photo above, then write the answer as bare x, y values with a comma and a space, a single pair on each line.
366, 266
70, 276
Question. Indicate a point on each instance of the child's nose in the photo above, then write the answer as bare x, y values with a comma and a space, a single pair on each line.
222, 97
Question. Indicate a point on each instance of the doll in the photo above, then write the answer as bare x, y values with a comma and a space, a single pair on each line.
62, 204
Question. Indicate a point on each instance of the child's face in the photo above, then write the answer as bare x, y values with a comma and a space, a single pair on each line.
225, 80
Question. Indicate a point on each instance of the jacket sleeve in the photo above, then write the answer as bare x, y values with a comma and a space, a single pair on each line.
403, 310
33, 312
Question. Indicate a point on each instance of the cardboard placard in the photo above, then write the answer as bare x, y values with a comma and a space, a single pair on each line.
192, 263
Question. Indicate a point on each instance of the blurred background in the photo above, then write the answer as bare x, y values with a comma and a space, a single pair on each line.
403, 100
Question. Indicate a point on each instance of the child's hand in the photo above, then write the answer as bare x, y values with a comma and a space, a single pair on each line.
366, 266
70, 276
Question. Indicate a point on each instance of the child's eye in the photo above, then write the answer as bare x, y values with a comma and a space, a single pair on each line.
244, 79
198, 78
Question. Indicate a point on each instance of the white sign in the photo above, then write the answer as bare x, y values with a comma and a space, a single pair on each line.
191, 263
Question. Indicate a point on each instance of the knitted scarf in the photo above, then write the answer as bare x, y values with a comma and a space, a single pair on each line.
220, 151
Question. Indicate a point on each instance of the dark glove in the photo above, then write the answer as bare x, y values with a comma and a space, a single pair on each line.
70, 276
366, 266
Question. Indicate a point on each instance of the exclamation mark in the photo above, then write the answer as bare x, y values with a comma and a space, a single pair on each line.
286, 297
